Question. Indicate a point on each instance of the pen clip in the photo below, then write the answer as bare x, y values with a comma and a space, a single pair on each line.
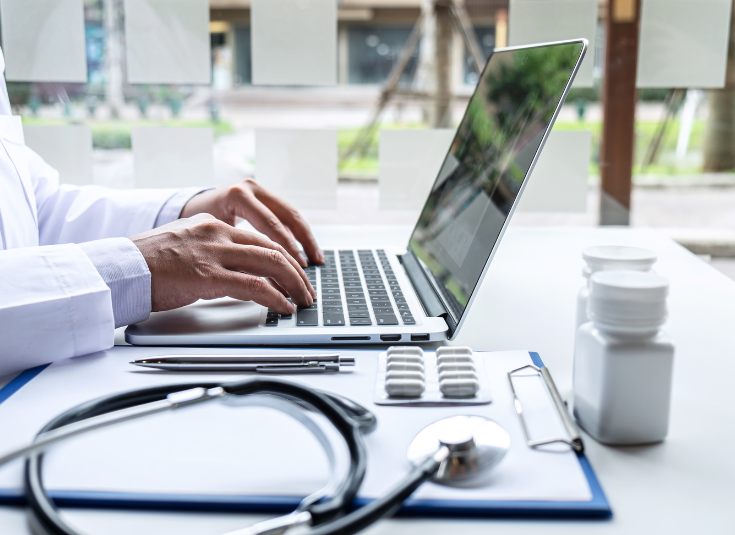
299, 368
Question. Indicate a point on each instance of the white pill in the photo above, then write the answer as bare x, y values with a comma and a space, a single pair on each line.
461, 367
459, 388
405, 367
404, 375
457, 375
406, 350
455, 359
405, 358
404, 388
453, 350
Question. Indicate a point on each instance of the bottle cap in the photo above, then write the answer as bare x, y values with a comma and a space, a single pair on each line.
616, 257
628, 299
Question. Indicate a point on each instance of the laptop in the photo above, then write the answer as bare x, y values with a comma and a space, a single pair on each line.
422, 293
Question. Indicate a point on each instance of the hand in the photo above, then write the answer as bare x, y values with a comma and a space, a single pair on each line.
203, 258
266, 212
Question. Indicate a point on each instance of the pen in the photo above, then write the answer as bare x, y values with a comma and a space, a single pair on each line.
300, 363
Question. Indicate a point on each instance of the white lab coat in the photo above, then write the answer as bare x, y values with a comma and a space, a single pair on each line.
53, 302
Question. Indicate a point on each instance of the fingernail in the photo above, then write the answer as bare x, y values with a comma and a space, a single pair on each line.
293, 307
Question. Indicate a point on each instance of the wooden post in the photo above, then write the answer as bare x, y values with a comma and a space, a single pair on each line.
442, 113
619, 100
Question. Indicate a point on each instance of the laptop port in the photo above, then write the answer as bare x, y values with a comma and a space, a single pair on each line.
350, 338
390, 337
419, 337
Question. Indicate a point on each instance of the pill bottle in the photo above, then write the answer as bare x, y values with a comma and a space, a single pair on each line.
607, 258
623, 361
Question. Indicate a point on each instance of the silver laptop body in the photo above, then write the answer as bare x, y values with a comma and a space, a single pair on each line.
424, 292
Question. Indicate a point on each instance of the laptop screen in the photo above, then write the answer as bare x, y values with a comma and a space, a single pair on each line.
496, 142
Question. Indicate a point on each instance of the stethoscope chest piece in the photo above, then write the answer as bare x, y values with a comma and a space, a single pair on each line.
475, 443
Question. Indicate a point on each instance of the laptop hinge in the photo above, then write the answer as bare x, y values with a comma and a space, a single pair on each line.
425, 290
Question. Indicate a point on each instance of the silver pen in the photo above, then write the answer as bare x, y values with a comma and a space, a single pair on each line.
299, 363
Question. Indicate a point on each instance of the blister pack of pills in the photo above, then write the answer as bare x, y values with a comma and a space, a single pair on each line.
452, 376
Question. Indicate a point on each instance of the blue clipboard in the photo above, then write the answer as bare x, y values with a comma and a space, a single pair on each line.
596, 508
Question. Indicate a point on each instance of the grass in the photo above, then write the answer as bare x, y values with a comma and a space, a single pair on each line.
116, 134
644, 133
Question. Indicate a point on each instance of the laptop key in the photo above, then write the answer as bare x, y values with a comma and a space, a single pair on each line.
271, 321
356, 302
330, 291
402, 306
332, 309
351, 308
406, 313
385, 310
358, 313
334, 319
330, 286
355, 295
361, 321
381, 304
307, 317
386, 319
408, 320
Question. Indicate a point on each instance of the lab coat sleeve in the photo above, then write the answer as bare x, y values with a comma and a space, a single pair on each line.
53, 305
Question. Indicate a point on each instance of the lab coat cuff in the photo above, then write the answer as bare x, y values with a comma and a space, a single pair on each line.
125, 271
173, 207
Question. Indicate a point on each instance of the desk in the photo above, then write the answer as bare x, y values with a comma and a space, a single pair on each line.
685, 485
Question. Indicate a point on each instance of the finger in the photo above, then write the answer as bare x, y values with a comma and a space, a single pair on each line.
291, 217
244, 237
250, 288
269, 224
277, 286
271, 263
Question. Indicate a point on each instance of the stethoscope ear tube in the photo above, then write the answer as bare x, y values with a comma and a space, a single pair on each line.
388, 504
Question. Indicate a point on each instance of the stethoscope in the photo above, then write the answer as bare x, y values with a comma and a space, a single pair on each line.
449, 451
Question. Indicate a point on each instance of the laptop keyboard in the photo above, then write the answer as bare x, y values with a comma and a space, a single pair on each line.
360, 289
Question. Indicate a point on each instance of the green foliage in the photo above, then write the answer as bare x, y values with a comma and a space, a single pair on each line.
108, 135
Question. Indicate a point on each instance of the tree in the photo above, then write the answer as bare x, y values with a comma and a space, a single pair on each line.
719, 141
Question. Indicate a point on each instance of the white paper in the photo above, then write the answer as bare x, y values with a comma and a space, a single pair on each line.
540, 21
558, 183
409, 162
223, 450
299, 165
294, 42
167, 41
43, 40
67, 148
173, 157
683, 43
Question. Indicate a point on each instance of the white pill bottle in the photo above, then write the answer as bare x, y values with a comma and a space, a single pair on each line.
607, 258
623, 361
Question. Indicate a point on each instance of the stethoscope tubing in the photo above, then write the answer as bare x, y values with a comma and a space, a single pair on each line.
350, 419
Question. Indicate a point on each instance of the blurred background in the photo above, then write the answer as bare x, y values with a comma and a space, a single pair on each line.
654, 105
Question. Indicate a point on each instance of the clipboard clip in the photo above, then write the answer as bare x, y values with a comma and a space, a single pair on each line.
574, 441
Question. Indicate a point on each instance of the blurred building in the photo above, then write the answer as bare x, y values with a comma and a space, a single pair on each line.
371, 36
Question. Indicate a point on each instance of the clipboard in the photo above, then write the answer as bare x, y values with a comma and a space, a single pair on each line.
595, 508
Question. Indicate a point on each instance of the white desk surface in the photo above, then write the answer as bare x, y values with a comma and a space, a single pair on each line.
684, 485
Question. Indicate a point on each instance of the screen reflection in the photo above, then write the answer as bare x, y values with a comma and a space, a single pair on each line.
505, 122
